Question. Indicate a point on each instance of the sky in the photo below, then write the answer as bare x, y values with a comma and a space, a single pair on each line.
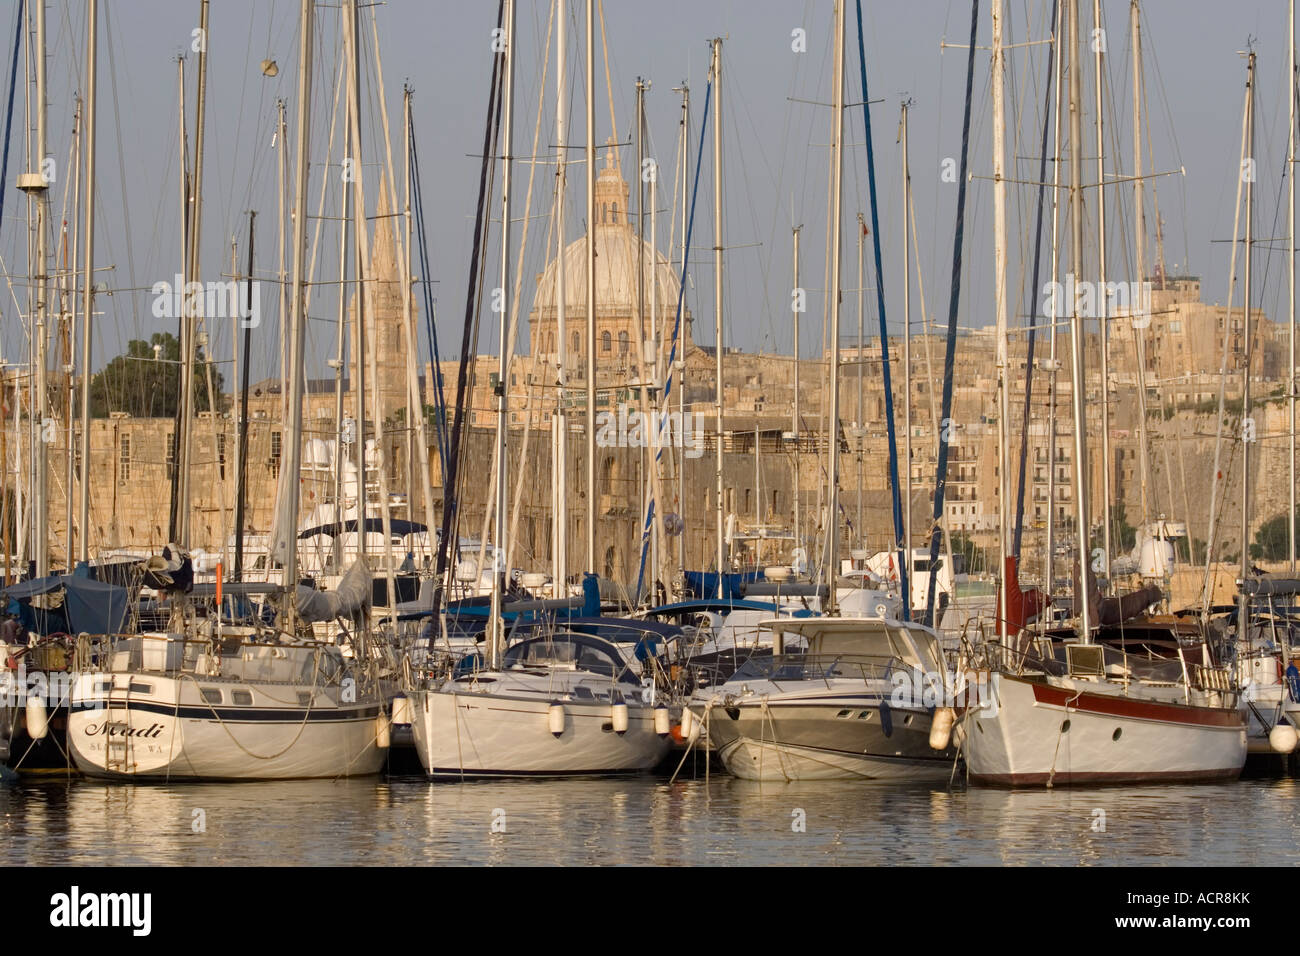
776, 131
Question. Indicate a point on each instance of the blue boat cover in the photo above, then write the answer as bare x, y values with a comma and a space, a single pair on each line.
89, 606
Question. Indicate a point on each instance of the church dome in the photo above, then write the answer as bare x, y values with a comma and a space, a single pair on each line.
616, 263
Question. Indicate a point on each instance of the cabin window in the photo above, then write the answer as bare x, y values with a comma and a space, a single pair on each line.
304, 698
139, 688
242, 697
211, 695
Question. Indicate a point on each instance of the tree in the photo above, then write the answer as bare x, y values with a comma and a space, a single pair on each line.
144, 381
963, 545
1271, 540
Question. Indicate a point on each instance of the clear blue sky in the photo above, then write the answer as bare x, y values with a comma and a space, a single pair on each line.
776, 156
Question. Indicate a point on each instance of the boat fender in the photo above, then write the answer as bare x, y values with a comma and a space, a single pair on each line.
1283, 738
618, 717
941, 728
383, 735
555, 719
886, 718
38, 723
663, 721
688, 723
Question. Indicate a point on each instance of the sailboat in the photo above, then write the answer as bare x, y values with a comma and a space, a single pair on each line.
1085, 711
561, 702
207, 701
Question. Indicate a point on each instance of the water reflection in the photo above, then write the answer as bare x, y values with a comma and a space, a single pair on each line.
407, 821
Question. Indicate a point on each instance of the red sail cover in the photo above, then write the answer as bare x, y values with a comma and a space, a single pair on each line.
1021, 606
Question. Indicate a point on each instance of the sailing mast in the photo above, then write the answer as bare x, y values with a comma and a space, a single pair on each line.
88, 286
907, 348
35, 184
1293, 382
831, 562
184, 460
1077, 381
1247, 437
288, 530
497, 644
1104, 314
1056, 306
591, 289
796, 306
715, 71
1139, 228
560, 510
1000, 307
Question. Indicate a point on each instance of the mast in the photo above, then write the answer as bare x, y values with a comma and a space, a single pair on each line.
1104, 314
292, 448
862, 428
497, 644
831, 562
184, 459
88, 285
352, 41
241, 455
36, 185
1293, 382
795, 304
1139, 247
716, 72
591, 290
1247, 438
1000, 308
560, 509
1077, 381
907, 349
1056, 307
680, 332
340, 362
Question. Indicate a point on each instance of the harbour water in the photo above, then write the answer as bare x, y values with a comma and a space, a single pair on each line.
642, 820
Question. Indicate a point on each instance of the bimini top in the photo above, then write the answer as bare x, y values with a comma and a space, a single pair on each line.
715, 606
865, 636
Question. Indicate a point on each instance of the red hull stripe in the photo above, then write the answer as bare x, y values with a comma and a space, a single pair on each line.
1065, 779
1137, 709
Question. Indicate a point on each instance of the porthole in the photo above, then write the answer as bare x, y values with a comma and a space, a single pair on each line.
907, 720
1116, 734
242, 697
211, 695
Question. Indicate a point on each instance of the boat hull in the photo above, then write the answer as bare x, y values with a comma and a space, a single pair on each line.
166, 735
840, 738
1034, 733
462, 734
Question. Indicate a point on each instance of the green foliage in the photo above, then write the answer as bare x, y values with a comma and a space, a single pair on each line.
1271, 540
975, 559
146, 384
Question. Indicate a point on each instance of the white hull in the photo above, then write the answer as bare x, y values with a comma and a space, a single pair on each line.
1061, 731
751, 759
472, 734
173, 733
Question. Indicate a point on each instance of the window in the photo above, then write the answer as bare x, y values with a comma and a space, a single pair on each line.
276, 447
622, 343
242, 697
605, 341
211, 695
124, 458
221, 456
577, 344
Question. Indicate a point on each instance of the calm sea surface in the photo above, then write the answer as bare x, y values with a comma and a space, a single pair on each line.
407, 821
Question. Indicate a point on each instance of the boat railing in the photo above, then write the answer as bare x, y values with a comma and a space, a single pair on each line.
823, 667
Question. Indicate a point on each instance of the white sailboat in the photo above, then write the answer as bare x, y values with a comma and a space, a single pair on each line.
1088, 712
205, 703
